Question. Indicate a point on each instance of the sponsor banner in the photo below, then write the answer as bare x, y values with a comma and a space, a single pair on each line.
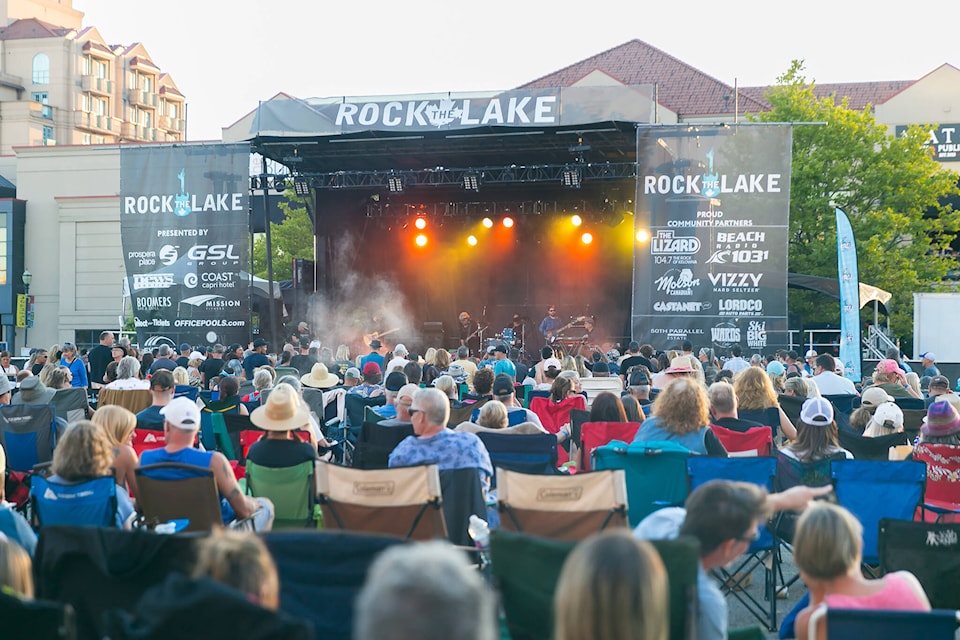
184, 229
715, 202
943, 142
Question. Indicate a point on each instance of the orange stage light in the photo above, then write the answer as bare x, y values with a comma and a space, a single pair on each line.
643, 235
586, 238
508, 222
576, 220
421, 223
421, 240
472, 240
488, 223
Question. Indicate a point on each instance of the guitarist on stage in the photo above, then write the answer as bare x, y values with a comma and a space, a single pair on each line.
550, 325
469, 332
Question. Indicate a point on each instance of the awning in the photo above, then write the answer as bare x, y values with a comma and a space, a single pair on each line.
831, 287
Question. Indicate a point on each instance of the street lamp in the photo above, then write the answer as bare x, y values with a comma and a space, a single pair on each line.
27, 278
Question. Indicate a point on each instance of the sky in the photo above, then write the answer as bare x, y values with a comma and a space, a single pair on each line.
227, 55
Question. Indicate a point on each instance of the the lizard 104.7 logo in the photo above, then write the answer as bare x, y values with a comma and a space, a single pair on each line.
669, 248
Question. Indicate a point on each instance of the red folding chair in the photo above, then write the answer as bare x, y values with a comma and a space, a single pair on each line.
757, 441
146, 439
554, 415
941, 498
597, 434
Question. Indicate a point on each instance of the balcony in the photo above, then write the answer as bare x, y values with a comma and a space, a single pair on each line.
97, 85
97, 123
49, 142
168, 123
146, 99
40, 110
131, 131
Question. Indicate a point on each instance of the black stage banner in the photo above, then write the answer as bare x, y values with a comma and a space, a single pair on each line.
455, 111
715, 202
184, 228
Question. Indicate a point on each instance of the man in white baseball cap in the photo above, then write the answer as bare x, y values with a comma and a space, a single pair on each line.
181, 423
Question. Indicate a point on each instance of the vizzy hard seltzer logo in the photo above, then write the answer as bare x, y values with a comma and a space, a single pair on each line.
182, 204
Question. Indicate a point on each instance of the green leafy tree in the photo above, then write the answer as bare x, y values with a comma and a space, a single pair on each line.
890, 187
292, 238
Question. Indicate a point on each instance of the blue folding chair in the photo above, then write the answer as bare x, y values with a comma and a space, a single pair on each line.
759, 471
939, 624
28, 434
86, 504
526, 453
872, 489
656, 474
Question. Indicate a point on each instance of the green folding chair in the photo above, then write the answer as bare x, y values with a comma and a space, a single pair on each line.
291, 489
526, 570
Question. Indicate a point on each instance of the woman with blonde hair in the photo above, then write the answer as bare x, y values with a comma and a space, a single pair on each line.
828, 549
242, 561
493, 415
119, 423
757, 401
612, 587
83, 453
16, 569
681, 414
181, 377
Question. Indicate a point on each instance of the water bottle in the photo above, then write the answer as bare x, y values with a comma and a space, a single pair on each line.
479, 531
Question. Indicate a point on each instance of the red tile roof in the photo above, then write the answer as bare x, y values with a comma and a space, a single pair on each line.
681, 88
860, 94
32, 28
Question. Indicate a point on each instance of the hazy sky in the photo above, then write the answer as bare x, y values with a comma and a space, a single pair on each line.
226, 55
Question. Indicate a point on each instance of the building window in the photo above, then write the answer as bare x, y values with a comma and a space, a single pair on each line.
86, 103
86, 139
133, 80
101, 107
173, 109
101, 69
41, 69
86, 66
47, 134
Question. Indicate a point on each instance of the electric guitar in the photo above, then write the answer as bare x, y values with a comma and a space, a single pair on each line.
551, 336
474, 334
377, 335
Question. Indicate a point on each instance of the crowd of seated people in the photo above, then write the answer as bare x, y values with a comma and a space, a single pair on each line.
677, 397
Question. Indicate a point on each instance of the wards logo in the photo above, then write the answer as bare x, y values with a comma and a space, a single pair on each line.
725, 335
711, 179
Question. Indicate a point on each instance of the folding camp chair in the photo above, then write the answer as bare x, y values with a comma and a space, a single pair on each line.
554, 415
872, 490
321, 573
513, 417
171, 491
561, 507
71, 403
37, 618
376, 443
136, 400
146, 439
404, 501
912, 421
94, 569
939, 624
791, 406
843, 402
929, 551
756, 441
595, 386
242, 433
526, 453
464, 413
186, 391
656, 474
89, 504
526, 569
864, 448
463, 497
942, 497
597, 434
292, 491
763, 552
28, 434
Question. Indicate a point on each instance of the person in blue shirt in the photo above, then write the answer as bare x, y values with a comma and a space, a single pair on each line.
503, 364
77, 368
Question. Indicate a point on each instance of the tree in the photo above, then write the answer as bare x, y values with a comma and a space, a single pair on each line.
890, 187
292, 238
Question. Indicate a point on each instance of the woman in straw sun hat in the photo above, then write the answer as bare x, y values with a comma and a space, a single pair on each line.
283, 413
320, 377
